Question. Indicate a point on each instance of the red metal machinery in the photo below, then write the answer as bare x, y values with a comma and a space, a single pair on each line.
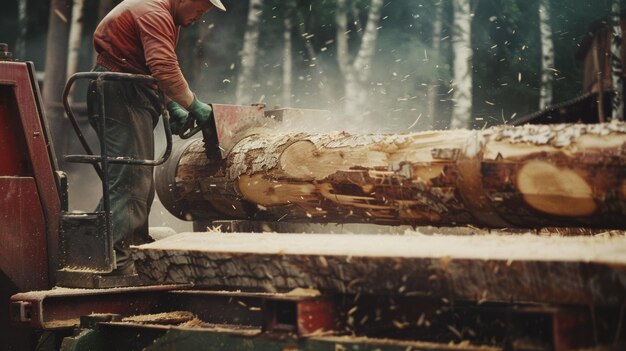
29, 192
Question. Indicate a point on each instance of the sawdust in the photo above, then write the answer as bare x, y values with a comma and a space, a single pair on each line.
169, 318
302, 292
488, 246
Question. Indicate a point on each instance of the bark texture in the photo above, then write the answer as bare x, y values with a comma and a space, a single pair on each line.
287, 56
357, 74
617, 77
433, 86
529, 176
547, 55
462, 50
75, 36
524, 268
22, 20
55, 70
248, 54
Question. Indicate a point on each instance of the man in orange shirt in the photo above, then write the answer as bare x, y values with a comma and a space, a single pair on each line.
140, 36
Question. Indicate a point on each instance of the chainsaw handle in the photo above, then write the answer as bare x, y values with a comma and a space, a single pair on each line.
189, 130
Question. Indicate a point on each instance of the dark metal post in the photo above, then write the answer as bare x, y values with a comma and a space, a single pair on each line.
104, 163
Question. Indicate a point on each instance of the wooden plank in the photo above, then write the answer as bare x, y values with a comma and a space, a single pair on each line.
520, 268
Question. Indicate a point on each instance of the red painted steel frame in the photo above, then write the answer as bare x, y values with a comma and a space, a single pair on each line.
17, 77
62, 308
29, 198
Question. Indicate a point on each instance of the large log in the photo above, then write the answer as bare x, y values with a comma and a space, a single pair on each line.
529, 176
521, 268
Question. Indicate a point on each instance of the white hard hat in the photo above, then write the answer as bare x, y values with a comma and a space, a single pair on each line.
218, 4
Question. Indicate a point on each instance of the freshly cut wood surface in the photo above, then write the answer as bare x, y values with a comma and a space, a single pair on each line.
521, 268
529, 176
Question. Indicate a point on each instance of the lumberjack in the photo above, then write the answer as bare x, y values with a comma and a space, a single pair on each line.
139, 37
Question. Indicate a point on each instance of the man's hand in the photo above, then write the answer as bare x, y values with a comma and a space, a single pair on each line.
178, 117
200, 111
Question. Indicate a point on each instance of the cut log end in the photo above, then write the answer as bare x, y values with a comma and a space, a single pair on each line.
554, 190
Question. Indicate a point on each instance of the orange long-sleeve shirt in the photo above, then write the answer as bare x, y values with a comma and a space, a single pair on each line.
139, 36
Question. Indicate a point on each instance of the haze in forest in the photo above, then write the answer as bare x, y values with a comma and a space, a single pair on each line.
379, 66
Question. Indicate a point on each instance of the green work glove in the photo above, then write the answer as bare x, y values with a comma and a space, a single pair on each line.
200, 111
178, 117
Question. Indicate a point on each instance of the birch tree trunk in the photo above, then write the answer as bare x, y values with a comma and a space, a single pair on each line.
530, 176
616, 63
22, 20
341, 21
318, 69
433, 87
287, 55
56, 63
462, 51
248, 54
104, 7
75, 37
200, 49
547, 55
358, 73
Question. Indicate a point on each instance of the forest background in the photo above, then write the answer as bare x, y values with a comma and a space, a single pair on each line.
383, 66
316, 53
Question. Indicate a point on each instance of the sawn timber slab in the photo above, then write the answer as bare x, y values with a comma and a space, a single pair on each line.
519, 268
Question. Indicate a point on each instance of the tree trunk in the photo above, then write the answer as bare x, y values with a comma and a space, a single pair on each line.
199, 65
433, 87
341, 21
530, 176
22, 20
104, 7
287, 56
521, 268
462, 50
317, 66
547, 55
55, 74
248, 54
616, 64
358, 73
75, 37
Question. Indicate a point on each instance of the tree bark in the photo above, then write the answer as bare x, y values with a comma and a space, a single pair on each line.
547, 55
55, 70
22, 20
617, 76
462, 50
75, 37
530, 176
433, 87
248, 54
522, 268
317, 66
104, 7
287, 55
357, 74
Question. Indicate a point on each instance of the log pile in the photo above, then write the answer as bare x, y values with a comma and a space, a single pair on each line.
528, 176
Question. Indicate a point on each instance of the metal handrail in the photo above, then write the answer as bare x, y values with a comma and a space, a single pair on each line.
99, 77
101, 162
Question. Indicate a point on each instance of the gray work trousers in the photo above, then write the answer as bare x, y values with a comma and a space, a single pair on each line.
131, 111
